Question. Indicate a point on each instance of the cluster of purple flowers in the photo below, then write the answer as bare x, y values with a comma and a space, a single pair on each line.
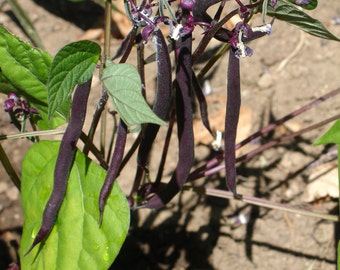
143, 15
18, 106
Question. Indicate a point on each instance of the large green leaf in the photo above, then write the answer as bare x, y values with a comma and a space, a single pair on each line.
124, 87
24, 69
291, 14
76, 241
73, 64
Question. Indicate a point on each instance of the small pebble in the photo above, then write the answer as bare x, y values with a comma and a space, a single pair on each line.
3, 187
12, 193
265, 81
336, 20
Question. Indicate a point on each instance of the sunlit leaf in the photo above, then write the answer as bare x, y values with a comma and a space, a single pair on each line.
73, 64
76, 241
24, 70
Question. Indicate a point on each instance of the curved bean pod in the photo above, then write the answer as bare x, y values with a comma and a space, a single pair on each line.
114, 168
162, 103
184, 126
64, 161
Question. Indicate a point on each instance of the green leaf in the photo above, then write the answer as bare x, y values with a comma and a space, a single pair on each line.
24, 70
331, 136
73, 64
124, 87
311, 5
293, 15
76, 241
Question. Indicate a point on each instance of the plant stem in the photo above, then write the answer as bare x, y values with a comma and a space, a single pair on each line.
268, 145
26, 23
107, 34
9, 168
204, 170
107, 38
32, 134
266, 203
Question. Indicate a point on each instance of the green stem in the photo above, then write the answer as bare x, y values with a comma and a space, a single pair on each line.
107, 34
107, 38
9, 168
32, 134
26, 23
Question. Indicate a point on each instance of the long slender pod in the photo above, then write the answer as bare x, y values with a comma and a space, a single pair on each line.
231, 120
161, 106
114, 168
184, 125
65, 160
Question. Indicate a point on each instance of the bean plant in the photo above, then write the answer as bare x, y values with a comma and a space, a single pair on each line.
75, 214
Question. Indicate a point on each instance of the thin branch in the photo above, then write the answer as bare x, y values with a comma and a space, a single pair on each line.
266, 203
32, 134
9, 168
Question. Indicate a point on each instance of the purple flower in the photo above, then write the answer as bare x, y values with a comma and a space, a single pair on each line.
9, 105
11, 101
302, 2
243, 11
188, 27
243, 31
273, 3
187, 4
18, 105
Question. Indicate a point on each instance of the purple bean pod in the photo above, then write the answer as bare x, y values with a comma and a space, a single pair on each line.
64, 161
231, 120
184, 126
161, 106
114, 168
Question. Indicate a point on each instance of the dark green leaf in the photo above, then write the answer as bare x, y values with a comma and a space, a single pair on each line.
24, 70
293, 15
124, 87
72, 65
76, 241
